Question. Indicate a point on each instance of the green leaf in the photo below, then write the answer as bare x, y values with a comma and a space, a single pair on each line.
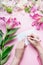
11, 31
27, 9
8, 39
0, 58
6, 51
4, 60
9, 9
1, 33
0, 40
1, 36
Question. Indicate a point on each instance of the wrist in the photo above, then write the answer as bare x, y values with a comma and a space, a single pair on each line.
39, 48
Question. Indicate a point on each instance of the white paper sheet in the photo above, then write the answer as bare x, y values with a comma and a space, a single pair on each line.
24, 35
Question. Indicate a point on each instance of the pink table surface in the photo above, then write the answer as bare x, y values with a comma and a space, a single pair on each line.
30, 54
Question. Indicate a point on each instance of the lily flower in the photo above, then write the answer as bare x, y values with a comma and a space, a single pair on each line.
12, 22
38, 21
8, 23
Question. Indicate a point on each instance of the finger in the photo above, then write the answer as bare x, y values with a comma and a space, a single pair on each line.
33, 40
38, 40
36, 37
33, 36
30, 40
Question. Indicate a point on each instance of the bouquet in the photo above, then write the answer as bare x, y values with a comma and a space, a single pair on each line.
11, 28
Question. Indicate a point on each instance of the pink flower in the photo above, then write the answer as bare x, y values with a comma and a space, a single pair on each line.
34, 9
36, 16
3, 25
2, 22
12, 22
38, 21
9, 23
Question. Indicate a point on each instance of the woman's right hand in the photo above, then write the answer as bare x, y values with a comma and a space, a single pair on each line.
34, 40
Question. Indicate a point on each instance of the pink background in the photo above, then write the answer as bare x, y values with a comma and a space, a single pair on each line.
30, 54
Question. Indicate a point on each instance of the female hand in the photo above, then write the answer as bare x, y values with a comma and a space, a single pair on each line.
36, 43
34, 40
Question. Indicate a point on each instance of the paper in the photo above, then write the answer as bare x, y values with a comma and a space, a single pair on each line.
24, 35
